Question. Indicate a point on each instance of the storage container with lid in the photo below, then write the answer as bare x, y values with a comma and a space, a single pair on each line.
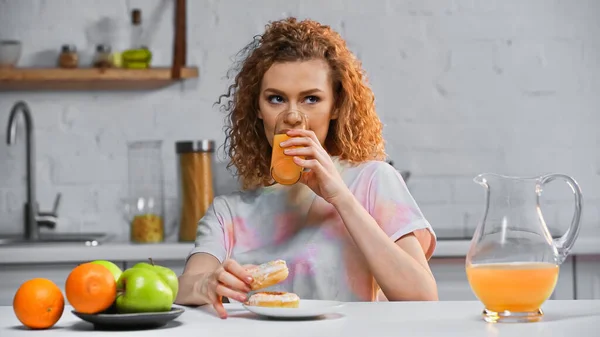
196, 186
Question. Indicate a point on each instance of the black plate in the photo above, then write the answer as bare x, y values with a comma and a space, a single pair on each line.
146, 320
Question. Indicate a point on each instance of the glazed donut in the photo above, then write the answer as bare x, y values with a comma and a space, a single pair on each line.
274, 299
268, 274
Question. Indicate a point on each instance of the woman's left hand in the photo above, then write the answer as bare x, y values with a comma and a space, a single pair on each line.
323, 178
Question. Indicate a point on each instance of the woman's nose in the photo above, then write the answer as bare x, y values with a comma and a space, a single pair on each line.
293, 118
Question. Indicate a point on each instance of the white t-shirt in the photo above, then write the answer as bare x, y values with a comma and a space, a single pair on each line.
292, 223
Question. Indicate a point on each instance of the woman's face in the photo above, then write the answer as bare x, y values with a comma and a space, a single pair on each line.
304, 86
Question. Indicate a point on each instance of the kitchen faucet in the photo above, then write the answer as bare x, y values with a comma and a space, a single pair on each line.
33, 219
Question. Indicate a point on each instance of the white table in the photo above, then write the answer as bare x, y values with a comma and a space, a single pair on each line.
562, 318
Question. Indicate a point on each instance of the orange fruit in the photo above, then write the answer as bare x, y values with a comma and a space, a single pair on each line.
38, 303
91, 288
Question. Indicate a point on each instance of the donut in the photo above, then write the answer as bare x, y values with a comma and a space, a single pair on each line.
268, 274
274, 299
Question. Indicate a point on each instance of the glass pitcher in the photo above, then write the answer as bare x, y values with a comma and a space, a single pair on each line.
513, 262
283, 168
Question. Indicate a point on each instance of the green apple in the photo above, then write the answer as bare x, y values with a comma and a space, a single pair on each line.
143, 290
165, 273
114, 269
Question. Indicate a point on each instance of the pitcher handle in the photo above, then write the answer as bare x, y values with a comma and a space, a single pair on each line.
564, 243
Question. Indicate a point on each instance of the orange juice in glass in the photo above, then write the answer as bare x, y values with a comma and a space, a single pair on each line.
283, 168
513, 262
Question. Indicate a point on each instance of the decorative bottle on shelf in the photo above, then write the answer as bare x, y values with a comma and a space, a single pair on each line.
138, 57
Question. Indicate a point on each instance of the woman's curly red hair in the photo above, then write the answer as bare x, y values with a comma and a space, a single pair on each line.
355, 136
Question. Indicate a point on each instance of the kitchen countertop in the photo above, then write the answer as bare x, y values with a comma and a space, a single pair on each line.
445, 318
65, 253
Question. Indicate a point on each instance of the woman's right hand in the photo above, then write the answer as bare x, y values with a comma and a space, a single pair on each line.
230, 280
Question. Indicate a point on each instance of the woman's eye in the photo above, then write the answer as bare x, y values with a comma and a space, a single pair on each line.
312, 99
275, 99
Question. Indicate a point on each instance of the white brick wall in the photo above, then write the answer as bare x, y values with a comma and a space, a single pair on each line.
463, 86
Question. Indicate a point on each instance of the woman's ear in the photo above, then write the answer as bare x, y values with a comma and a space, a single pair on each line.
334, 114
259, 114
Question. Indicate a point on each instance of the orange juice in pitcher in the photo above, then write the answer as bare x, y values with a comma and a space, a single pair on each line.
513, 262
514, 287
283, 168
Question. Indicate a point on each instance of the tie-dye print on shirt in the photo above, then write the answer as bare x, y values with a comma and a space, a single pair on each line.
292, 223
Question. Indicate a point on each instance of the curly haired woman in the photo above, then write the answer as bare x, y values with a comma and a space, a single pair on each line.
349, 230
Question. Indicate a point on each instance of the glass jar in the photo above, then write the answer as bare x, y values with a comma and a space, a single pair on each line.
102, 58
195, 184
68, 57
144, 206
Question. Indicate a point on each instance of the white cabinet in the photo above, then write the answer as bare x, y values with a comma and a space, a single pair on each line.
587, 277
12, 276
565, 286
451, 279
579, 277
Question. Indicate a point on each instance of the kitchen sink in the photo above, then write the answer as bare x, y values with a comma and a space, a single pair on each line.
84, 239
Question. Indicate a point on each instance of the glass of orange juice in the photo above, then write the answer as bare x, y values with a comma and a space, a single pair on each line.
283, 169
513, 262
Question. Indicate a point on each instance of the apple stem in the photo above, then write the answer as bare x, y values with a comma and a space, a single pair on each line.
151, 262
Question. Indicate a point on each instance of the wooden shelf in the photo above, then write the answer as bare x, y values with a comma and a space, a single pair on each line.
30, 79
111, 79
